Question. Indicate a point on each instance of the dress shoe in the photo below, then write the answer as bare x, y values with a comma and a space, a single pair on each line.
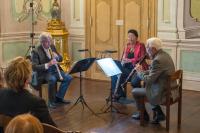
52, 105
158, 119
62, 101
136, 116
158, 115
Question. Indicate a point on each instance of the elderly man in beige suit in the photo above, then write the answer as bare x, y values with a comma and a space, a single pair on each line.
155, 80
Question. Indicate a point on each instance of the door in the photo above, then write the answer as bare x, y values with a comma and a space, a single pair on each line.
107, 23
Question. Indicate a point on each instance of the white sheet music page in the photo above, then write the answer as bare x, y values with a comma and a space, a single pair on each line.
109, 67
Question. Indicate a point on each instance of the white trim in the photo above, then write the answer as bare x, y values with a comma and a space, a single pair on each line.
73, 22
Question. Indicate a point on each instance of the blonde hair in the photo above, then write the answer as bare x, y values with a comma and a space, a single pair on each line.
17, 73
25, 123
154, 42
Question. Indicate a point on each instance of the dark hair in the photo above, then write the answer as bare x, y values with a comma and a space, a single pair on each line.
133, 32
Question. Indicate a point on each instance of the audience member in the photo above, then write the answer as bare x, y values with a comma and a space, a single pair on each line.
25, 123
15, 99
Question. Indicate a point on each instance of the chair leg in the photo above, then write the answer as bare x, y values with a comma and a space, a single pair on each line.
40, 92
167, 117
125, 91
142, 109
179, 113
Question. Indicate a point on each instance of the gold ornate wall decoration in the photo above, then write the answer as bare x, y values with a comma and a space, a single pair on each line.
194, 10
60, 35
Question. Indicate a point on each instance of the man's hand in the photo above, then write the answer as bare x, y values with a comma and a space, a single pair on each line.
55, 55
52, 62
148, 61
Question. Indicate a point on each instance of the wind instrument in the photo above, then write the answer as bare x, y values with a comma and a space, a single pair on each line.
56, 65
119, 76
134, 70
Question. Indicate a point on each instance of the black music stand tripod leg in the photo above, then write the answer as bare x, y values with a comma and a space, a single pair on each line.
77, 101
81, 66
111, 108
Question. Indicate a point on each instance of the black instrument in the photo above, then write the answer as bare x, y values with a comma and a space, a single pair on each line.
134, 70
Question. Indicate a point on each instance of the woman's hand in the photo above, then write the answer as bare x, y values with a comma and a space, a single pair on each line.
138, 68
126, 60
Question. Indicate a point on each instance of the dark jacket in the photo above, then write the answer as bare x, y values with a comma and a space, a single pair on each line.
13, 103
39, 59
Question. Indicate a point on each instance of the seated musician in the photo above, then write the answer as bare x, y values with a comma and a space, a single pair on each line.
155, 80
15, 99
44, 60
133, 52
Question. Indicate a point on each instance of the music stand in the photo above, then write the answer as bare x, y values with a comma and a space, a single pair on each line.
79, 67
110, 68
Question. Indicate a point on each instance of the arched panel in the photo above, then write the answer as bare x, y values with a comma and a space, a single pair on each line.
132, 16
103, 22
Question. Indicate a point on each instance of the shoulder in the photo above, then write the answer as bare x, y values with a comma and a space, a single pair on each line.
141, 44
6, 91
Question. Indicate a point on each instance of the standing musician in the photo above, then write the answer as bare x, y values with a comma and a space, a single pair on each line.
133, 52
45, 60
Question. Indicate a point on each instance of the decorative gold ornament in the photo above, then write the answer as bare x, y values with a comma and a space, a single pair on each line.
60, 35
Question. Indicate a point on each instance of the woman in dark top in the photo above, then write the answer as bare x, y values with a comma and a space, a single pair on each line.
15, 99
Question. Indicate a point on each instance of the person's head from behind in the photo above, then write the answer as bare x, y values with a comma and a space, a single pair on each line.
45, 39
132, 36
24, 123
18, 73
153, 46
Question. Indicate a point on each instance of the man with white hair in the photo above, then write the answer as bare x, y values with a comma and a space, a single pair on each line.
155, 80
44, 59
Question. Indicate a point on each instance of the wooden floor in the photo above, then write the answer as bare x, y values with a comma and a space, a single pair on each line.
95, 93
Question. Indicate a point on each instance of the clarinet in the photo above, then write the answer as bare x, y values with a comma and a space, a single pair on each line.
119, 76
56, 65
134, 70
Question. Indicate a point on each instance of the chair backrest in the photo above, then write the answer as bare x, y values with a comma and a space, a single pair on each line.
4, 120
51, 129
174, 92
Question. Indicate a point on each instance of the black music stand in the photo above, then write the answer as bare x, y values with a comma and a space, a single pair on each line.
79, 67
110, 68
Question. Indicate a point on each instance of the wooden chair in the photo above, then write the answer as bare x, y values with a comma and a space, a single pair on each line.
51, 129
39, 88
174, 95
4, 120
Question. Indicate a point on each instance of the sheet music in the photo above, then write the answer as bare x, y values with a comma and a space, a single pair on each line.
109, 67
